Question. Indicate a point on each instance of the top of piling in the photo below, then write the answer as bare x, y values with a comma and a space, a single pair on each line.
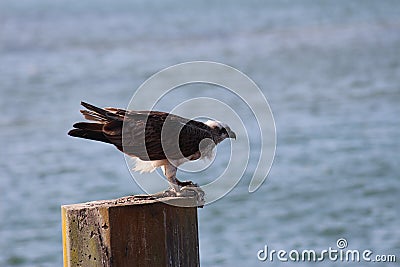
181, 201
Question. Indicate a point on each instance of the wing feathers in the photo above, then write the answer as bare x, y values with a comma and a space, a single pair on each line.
92, 116
101, 113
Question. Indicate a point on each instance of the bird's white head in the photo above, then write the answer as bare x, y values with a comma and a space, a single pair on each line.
220, 130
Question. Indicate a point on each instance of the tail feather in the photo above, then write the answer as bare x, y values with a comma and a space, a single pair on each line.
98, 127
87, 134
102, 129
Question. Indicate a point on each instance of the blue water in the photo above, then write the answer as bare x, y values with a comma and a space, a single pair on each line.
331, 73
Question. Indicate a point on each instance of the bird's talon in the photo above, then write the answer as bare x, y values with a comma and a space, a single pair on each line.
193, 191
171, 192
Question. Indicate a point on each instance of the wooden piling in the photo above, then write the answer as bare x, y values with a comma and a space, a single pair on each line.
131, 231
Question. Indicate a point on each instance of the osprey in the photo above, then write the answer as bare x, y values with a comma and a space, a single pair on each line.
153, 138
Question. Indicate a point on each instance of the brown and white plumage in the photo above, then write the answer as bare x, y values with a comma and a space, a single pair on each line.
155, 139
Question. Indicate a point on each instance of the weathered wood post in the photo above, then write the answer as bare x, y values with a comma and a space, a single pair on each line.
131, 231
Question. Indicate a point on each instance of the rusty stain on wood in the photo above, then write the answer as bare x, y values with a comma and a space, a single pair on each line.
131, 231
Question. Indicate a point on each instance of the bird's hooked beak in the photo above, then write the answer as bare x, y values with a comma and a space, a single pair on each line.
231, 134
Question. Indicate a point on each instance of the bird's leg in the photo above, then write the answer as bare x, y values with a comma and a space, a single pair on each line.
170, 173
188, 188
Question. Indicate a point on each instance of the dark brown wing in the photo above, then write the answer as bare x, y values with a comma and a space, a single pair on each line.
159, 135
133, 137
149, 135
